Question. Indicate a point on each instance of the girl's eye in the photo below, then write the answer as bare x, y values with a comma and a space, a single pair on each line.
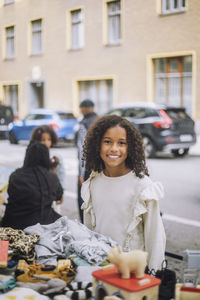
107, 142
122, 143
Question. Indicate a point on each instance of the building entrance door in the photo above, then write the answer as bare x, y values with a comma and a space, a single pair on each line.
36, 94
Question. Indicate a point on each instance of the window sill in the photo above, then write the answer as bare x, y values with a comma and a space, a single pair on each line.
75, 49
35, 54
117, 44
9, 58
6, 4
163, 14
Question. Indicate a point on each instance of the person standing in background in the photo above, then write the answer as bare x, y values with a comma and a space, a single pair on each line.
89, 116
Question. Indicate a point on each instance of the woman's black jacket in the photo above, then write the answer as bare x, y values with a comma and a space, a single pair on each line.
31, 192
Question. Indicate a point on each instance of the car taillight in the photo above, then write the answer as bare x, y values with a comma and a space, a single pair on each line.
54, 126
166, 121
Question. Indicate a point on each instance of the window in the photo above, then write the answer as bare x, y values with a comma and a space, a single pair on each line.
99, 91
114, 22
10, 42
173, 81
8, 2
77, 34
11, 96
36, 37
173, 6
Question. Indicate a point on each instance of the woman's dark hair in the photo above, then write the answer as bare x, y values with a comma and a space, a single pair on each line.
38, 131
36, 155
92, 145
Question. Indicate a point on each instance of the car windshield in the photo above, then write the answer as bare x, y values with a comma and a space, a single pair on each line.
140, 112
64, 116
38, 117
177, 114
134, 112
5, 112
117, 112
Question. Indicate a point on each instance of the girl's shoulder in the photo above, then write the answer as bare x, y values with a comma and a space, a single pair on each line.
93, 175
146, 188
151, 190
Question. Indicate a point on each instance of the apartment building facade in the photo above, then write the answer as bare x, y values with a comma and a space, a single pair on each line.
55, 53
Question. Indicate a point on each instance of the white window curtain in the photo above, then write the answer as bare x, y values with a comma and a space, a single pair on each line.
187, 93
174, 88
10, 43
100, 92
77, 29
11, 97
114, 22
160, 90
174, 98
36, 37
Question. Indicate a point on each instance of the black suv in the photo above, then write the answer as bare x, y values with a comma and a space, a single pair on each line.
162, 127
6, 117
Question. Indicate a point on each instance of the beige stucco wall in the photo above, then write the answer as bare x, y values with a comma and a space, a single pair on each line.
145, 34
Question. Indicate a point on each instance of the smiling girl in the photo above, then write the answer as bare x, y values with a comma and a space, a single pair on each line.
120, 200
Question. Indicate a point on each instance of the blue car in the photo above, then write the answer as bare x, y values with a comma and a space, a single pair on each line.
64, 124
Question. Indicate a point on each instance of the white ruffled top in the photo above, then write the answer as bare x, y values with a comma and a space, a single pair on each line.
126, 208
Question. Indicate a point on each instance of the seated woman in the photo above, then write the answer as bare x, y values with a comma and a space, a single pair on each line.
32, 190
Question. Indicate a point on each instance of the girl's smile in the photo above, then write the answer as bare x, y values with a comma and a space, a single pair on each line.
114, 151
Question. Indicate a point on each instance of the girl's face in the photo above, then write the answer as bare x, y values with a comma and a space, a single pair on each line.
46, 140
114, 151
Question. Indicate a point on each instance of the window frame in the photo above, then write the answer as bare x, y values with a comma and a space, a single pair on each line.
110, 14
167, 76
106, 41
80, 32
172, 10
33, 31
69, 37
11, 89
9, 37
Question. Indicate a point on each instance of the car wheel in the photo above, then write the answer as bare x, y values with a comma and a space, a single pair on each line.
149, 147
12, 138
180, 152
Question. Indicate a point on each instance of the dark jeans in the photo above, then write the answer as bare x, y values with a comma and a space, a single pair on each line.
80, 200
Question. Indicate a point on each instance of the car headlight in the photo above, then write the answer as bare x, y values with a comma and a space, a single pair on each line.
10, 126
76, 127
18, 123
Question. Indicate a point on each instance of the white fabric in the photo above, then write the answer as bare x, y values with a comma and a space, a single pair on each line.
126, 209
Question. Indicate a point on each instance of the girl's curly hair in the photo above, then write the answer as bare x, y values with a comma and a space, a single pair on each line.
92, 145
39, 130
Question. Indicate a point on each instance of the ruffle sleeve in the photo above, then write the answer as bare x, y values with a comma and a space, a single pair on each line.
151, 234
153, 192
89, 215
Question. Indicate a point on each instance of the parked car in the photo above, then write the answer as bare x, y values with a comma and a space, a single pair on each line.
6, 117
162, 127
64, 124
